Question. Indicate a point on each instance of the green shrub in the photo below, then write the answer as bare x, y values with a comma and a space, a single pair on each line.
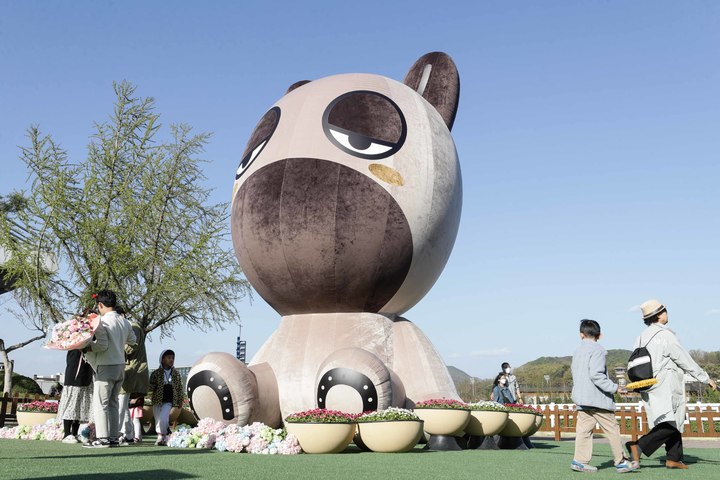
21, 384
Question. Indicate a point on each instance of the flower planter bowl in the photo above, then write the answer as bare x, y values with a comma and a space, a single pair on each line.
322, 437
518, 424
443, 421
486, 423
34, 418
536, 426
390, 436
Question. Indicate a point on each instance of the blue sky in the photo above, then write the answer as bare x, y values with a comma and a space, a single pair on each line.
588, 137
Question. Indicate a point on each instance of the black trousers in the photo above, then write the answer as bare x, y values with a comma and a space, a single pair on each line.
71, 427
663, 433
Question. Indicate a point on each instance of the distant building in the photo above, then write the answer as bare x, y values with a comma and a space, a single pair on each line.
46, 383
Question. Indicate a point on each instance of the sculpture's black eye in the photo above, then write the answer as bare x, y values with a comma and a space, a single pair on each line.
259, 138
365, 124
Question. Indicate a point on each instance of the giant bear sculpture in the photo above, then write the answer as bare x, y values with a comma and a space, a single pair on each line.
345, 208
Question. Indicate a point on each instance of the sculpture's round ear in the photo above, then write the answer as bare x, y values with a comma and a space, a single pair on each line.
296, 85
435, 77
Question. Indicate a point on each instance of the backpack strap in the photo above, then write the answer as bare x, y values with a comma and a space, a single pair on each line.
648, 342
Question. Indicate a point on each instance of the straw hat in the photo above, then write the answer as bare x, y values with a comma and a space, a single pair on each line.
651, 307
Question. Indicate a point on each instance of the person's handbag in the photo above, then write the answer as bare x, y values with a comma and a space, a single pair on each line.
639, 369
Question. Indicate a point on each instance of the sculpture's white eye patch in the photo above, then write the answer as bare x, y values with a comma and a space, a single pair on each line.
359, 143
365, 124
259, 138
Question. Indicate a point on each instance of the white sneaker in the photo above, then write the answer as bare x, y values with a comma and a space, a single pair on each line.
70, 439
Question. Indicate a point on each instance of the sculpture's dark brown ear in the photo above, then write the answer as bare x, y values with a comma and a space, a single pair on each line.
296, 85
435, 77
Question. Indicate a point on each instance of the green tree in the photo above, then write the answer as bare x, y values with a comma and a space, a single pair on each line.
9, 206
132, 217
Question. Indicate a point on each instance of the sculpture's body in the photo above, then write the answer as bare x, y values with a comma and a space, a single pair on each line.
345, 209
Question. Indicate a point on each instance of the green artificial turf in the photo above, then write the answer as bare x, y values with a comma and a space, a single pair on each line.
26, 459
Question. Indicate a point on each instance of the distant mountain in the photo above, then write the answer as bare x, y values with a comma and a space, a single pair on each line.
615, 358
558, 368
458, 376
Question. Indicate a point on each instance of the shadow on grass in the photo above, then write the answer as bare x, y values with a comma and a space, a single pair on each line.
354, 449
543, 445
154, 474
134, 452
691, 459
659, 462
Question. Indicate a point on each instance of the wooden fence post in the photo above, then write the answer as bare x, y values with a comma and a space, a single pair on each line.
3, 408
556, 428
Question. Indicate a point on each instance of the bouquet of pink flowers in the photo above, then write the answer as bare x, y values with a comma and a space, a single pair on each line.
74, 334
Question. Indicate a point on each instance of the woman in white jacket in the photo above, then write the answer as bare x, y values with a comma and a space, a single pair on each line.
664, 402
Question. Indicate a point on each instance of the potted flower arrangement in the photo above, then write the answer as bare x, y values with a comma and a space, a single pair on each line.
390, 430
443, 416
521, 420
36, 413
486, 418
322, 431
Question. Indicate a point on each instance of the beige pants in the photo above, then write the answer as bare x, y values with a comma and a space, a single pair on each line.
106, 390
586, 420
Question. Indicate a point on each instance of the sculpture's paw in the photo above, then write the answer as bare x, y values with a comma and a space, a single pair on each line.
354, 380
221, 387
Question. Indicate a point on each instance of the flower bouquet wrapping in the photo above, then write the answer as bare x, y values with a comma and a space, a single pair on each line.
74, 334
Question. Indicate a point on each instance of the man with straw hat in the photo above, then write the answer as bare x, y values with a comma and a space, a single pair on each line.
664, 402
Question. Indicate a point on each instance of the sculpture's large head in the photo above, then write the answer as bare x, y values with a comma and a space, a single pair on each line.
348, 195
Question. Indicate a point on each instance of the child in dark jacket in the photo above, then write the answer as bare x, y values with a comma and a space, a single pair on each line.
166, 392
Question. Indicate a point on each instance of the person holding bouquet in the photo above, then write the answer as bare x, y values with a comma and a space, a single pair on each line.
76, 398
107, 357
167, 392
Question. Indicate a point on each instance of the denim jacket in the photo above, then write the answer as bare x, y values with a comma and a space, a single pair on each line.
502, 395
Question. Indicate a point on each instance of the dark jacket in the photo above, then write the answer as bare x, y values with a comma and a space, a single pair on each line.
78, 372
137, 379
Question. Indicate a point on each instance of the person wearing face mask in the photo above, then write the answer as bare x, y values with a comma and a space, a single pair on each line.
513, 385
501, 393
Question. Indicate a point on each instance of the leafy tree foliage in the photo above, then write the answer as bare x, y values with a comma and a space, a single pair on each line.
133, 217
